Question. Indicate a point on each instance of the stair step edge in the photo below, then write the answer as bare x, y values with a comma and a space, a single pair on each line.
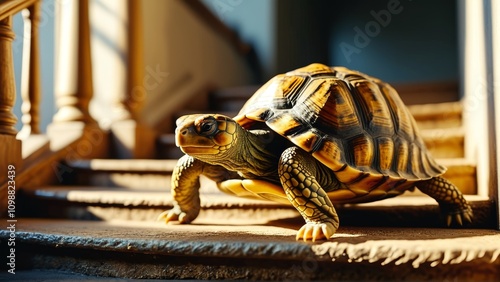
436, 110
125, 165
136, 198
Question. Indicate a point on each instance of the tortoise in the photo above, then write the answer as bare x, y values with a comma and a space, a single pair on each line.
312, 137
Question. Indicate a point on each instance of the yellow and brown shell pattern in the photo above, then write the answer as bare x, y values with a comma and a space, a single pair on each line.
354, 124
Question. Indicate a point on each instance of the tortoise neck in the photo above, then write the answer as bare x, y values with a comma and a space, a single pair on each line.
253, 156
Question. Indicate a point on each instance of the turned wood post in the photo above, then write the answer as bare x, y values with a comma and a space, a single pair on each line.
128, 103
7, 81
30, 79
10, 147
73, 69
131, 138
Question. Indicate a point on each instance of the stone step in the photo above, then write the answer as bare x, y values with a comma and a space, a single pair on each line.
137, 173
444, 142
112, 203
166, 147
440, 125
435, 115
427, 116
447, 114
140, 190
120, 203
462, 173
438, 115
231, 99
441, 142
156, 174
245, 249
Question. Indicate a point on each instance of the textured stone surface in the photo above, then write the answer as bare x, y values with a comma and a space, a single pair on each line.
239, 250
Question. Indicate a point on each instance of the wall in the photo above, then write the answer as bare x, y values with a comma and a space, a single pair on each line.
254, 21
183, 59
418, 42
399, 41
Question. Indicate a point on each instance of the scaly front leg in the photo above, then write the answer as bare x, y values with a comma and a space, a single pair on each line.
185, 191
298, 177
186, 185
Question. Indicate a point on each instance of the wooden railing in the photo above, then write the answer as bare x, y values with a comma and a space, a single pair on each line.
73, 91
73, 75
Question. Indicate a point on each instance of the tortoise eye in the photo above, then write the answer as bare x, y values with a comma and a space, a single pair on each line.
207, 127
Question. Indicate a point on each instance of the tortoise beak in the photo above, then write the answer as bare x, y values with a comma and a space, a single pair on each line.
185, 130
182, 135
189, 141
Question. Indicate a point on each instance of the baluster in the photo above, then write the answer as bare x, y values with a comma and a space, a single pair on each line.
7, 81
128, 102
135, 89
10, 147
131, 138
30, 79
73, 78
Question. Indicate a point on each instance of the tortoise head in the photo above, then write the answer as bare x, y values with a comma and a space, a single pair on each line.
208, 135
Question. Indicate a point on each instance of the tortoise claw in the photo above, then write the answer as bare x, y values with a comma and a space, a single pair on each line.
460, 219
315, 231
174, 215
467, 216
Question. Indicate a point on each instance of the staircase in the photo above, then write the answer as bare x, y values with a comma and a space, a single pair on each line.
98, 218
100, 221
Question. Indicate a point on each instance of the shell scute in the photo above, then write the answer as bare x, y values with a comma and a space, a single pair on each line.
385, 147
331, 153
403, 121
363, 151
311, 70
372, 104
329, 108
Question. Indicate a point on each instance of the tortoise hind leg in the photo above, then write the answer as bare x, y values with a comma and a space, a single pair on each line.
451, 201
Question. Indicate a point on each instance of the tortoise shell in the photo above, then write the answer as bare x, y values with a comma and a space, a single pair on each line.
353, 123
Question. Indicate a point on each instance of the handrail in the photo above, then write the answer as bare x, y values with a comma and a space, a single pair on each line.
12, 7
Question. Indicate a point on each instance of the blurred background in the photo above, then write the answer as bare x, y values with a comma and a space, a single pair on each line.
398, 41
191, 49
